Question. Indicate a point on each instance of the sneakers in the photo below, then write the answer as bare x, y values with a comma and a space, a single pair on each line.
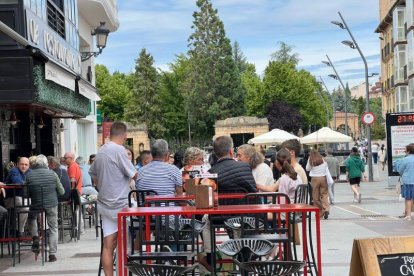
36, 245
407, 218
52, 258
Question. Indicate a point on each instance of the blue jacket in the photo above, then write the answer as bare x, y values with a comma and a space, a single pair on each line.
15, 176
405, 168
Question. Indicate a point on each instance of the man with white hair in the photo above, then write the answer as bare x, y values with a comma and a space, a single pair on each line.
44, 187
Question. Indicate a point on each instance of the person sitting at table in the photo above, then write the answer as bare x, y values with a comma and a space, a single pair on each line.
158, 175
232, 177
294, 147
143, 159
54, 165
262, 173
193, 160
289, 177
17, 176
44, 187
87, 187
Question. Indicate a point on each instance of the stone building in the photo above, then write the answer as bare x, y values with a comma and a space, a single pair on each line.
242, 128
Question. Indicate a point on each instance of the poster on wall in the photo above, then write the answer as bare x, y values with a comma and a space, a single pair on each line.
400, 133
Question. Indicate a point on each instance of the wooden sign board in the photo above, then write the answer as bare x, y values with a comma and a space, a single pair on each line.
384, 256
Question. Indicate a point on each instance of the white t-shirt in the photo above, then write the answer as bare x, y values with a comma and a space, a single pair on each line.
288, 186
263, 174
374, 148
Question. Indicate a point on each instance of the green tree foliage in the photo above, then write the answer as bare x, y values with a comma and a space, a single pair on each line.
214, 85
114, 91
239, 58
172, 100
144, 105
254, 91
284, 54
283, 82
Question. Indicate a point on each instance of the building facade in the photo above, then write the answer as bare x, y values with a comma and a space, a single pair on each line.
47, 92
396, 31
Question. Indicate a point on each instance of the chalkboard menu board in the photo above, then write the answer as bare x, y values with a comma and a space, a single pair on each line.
396, 264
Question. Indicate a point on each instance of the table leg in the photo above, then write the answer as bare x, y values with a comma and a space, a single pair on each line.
305, 244
121, 245
318, 242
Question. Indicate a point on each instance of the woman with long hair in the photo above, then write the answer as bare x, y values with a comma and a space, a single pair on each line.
317, 171
262, 173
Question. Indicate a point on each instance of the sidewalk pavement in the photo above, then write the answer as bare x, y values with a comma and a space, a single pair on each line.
375, 216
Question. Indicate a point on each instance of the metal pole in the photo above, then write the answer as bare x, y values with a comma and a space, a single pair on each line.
189, 128
326, 107
346, 99
370, 172
13, 34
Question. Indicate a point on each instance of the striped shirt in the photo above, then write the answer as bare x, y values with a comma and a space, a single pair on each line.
160, 177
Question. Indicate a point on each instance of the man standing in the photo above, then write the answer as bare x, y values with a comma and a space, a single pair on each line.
74, 172
158, 175
334, 170
44, 187
54, 165
112, 171
17, 176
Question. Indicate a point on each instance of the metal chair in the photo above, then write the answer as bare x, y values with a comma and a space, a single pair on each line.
271, 268
245, 250
158, 270
275, 228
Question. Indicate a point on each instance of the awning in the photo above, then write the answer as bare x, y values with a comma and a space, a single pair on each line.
88, 90
58, 75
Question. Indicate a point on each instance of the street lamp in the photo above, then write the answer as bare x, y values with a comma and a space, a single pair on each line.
101, 34
333, 102
354, 45
336, 77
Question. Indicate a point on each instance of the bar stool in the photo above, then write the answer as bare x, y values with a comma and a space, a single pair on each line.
64, 219
271, 268
158, 270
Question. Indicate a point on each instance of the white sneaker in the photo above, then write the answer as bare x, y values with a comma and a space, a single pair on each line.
407, 218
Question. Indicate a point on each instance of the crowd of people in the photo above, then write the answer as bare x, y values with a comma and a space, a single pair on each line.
47, 181
112, 173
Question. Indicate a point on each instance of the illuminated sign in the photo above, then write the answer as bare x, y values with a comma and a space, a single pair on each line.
41, 36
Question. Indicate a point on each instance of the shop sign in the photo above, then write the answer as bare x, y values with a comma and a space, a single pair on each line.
41, 36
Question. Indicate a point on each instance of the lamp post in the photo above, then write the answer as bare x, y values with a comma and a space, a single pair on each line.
333, 102
354, 45
336, 76
101, 34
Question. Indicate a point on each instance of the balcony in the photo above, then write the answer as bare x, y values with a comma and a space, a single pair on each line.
96, 11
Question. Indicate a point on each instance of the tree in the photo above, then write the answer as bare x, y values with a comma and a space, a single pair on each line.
254, 91
172, 99
114, 91
284, 54
284, 116
283, 82
144, 105
239, 58
214, 90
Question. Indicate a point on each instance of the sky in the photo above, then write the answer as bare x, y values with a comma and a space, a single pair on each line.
163, 28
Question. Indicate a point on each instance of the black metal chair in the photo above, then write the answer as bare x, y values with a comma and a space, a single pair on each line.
76, 209
170, 232
271, 268
303, 194
275, 228
158, 270
245, 250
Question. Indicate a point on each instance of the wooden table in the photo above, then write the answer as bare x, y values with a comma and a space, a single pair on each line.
220, 210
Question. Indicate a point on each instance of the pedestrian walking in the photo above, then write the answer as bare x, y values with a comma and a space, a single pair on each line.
334, 170
318, 172
354, 170
112, 171
405, 168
